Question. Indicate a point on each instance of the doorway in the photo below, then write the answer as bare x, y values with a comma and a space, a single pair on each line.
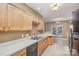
57, 30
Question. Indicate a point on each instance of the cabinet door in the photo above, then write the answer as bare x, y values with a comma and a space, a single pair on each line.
41, 46
35, 19
20, 19
11, 18
51, 40
45, 43
3, 16
41, 25
15, 17
27, 22
75, 43
22, 52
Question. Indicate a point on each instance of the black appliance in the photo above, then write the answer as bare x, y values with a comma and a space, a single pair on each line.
32, 50
75, 23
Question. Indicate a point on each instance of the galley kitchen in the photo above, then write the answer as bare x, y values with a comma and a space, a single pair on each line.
39, 29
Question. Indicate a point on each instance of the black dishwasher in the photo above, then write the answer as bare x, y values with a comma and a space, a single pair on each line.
32, 50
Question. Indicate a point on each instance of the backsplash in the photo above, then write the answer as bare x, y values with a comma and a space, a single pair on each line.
13, 35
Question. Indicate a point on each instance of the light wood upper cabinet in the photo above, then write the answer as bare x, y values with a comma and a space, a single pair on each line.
11, 18
15, 18
18, 20
35, 19
3, 15
19, 16
41, 25
27, 22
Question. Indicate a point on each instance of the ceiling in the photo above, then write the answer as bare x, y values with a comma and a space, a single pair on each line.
64, 12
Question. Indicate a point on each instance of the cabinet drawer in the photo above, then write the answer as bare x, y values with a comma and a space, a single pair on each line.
42, 45
20, 53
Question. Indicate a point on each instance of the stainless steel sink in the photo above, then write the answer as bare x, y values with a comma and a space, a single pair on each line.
36, 38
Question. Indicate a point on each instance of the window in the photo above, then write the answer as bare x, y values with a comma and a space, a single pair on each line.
58, 30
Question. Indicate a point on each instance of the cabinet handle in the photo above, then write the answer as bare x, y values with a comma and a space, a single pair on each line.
4, 28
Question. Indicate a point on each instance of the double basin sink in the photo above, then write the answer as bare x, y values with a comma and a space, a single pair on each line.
36, 37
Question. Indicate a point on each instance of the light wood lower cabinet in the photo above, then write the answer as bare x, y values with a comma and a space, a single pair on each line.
75, 43
42, 44
22, 52
51, 40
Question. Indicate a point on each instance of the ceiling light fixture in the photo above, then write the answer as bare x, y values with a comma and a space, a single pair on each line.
55, 5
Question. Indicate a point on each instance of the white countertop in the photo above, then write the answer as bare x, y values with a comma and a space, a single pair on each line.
76, 36
11, 47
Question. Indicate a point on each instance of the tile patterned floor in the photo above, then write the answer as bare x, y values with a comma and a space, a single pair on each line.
59, 48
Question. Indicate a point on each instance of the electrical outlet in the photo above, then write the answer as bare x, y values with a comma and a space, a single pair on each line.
22, 35
27, 35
